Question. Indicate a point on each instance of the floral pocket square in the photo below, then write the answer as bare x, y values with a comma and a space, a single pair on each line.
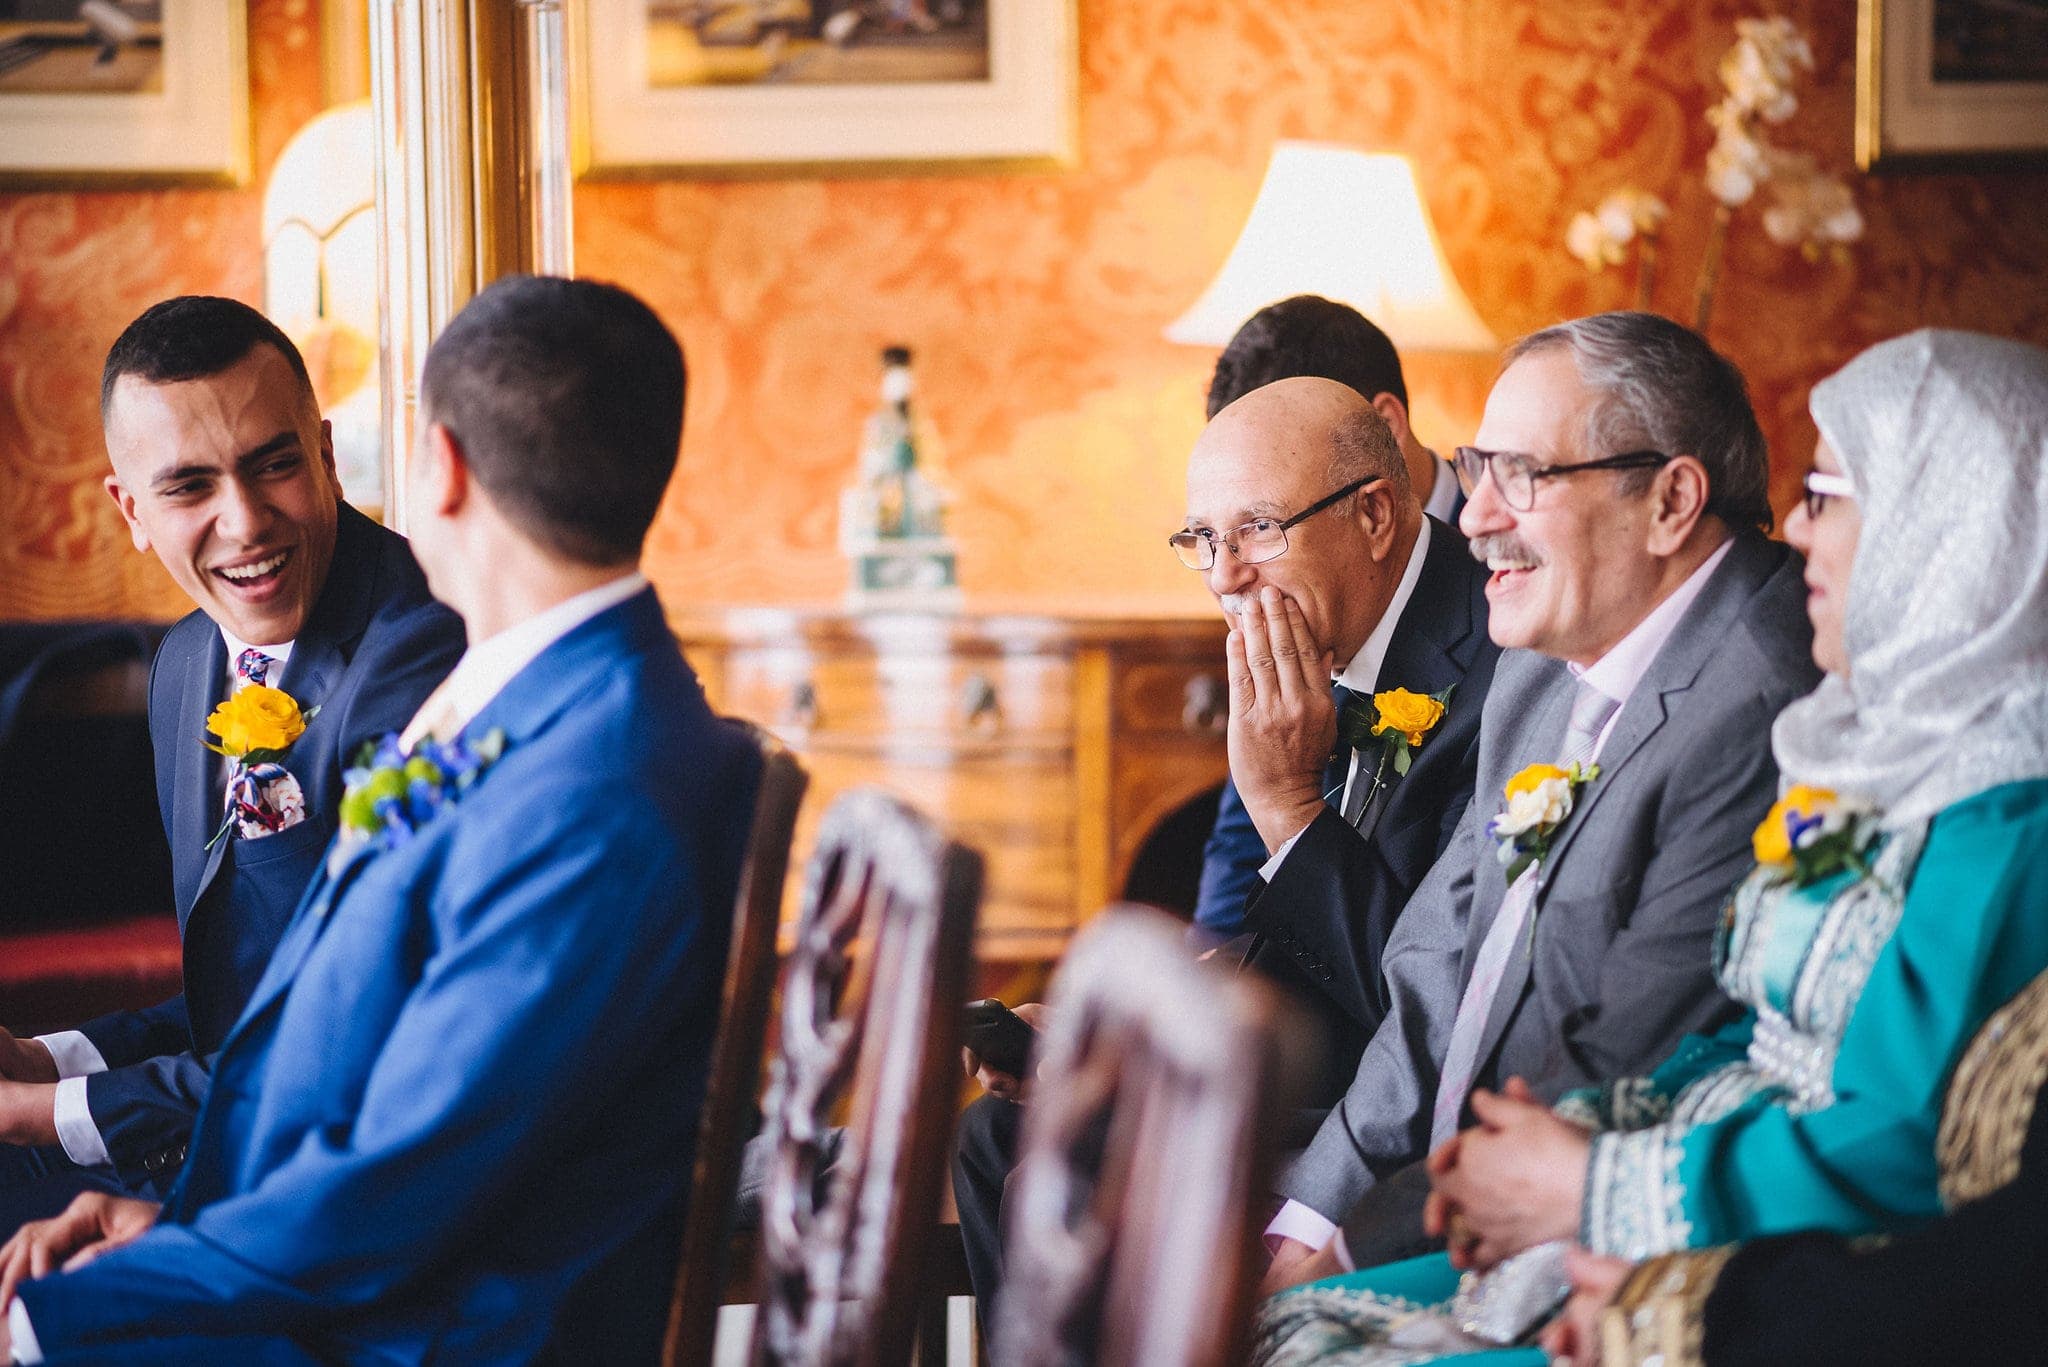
264, 799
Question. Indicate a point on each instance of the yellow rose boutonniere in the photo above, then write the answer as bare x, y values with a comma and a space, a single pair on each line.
1410, 715
1538, 801
1812, 833
1390, 726
256, 724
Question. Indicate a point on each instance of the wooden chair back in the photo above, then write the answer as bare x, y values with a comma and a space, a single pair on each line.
728, 1115
870, 1026
1133, 1218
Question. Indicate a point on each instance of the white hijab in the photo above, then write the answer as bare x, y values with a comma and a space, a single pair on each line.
1945, 437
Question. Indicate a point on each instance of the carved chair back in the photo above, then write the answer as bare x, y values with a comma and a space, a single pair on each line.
870, 1027
728, 1116
1133, 1218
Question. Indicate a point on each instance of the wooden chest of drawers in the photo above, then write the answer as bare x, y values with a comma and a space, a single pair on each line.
1053, 744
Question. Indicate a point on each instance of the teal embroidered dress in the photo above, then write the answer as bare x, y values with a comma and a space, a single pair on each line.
1817, 1108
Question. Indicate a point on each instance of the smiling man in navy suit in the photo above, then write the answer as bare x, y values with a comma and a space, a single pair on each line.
224, 469
455, 1122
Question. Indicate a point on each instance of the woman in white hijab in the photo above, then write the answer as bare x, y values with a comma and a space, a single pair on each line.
1898, 900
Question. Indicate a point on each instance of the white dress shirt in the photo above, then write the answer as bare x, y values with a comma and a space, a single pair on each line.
1616, 674
74, 1054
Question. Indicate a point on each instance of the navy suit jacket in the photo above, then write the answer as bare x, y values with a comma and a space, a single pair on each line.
455, 1123
1321, 925
375, 644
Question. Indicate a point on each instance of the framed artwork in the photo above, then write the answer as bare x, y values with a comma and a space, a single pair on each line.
118, 93
777, 87
1945, 85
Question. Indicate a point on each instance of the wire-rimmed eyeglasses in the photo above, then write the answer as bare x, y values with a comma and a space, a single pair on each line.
1516, 475
1256, 541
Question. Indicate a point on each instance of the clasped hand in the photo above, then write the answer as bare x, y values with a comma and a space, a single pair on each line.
1283, 725
1510, 1182
995, 1081
93, 1224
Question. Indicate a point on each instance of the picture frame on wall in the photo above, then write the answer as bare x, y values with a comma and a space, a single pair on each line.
823, 87
1950, 85
96, 94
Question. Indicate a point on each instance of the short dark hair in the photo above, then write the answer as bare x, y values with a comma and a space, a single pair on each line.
1306, 335
1661, 386
566, 397
191, 337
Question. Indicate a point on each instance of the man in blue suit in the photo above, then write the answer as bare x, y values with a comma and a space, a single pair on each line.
223, 467
455, 1122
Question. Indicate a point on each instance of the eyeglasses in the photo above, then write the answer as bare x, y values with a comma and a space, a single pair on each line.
1821, 487
1256, 541
1515, 474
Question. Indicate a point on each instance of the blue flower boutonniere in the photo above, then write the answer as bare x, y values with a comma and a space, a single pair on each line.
1812, 834
389, 793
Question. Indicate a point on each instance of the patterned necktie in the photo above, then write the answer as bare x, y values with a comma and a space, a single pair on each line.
1591, 710
252, 666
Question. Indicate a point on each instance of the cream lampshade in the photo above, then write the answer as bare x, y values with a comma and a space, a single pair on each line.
320, 280
1350, 226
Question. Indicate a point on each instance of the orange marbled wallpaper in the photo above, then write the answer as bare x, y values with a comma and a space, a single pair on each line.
1036, 301
74, 270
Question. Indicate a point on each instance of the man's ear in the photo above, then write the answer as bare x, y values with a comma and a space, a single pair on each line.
1396, 414
443, 487
125, 501
1379, 516
1678, 500
327, 452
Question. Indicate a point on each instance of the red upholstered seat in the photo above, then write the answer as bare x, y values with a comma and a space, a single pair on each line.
53, 979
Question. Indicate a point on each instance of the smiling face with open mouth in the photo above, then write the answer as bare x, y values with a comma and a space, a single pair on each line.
1574, 574
229, 478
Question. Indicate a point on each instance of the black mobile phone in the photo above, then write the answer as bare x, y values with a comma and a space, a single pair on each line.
1003, 1038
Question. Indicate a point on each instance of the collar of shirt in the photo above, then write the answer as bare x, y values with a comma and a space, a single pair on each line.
1619, 671
1362, 675
1443, 493
487, 666
278, 653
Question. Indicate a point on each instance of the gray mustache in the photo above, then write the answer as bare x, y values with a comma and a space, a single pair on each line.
1505, 545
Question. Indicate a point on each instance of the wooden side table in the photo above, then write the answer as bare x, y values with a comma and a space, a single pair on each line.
1054, 742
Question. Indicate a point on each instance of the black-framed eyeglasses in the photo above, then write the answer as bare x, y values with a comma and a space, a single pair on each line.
1256, 541
1821, 486
1516, 475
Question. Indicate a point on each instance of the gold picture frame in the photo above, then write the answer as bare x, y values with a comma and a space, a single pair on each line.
109, 101
631, 122
1929, 98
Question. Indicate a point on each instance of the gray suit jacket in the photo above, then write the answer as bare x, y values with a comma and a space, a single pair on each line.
1618, 968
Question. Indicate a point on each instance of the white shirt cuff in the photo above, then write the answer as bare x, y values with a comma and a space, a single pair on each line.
75, 1128
1272, 866
73, 1053
1301, 1224
26, 1350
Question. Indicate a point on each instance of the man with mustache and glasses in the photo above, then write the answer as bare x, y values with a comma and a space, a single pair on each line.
1650, 635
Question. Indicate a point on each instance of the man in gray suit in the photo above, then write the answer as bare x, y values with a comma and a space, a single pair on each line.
1617, 495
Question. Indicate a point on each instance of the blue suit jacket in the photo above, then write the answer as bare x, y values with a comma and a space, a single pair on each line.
456, 1121
375, 644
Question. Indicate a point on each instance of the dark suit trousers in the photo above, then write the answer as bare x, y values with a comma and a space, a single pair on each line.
986, 1156
37, 1183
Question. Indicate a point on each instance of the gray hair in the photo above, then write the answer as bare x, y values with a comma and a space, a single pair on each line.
1362, 446
1661, 387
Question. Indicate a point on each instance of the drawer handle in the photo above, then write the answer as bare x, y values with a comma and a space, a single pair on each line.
978, 700
802, 708
1206, 706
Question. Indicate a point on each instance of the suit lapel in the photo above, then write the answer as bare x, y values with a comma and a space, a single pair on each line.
199, 808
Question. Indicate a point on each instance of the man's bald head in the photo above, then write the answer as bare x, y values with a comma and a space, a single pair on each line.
1273, 455
1307, 418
